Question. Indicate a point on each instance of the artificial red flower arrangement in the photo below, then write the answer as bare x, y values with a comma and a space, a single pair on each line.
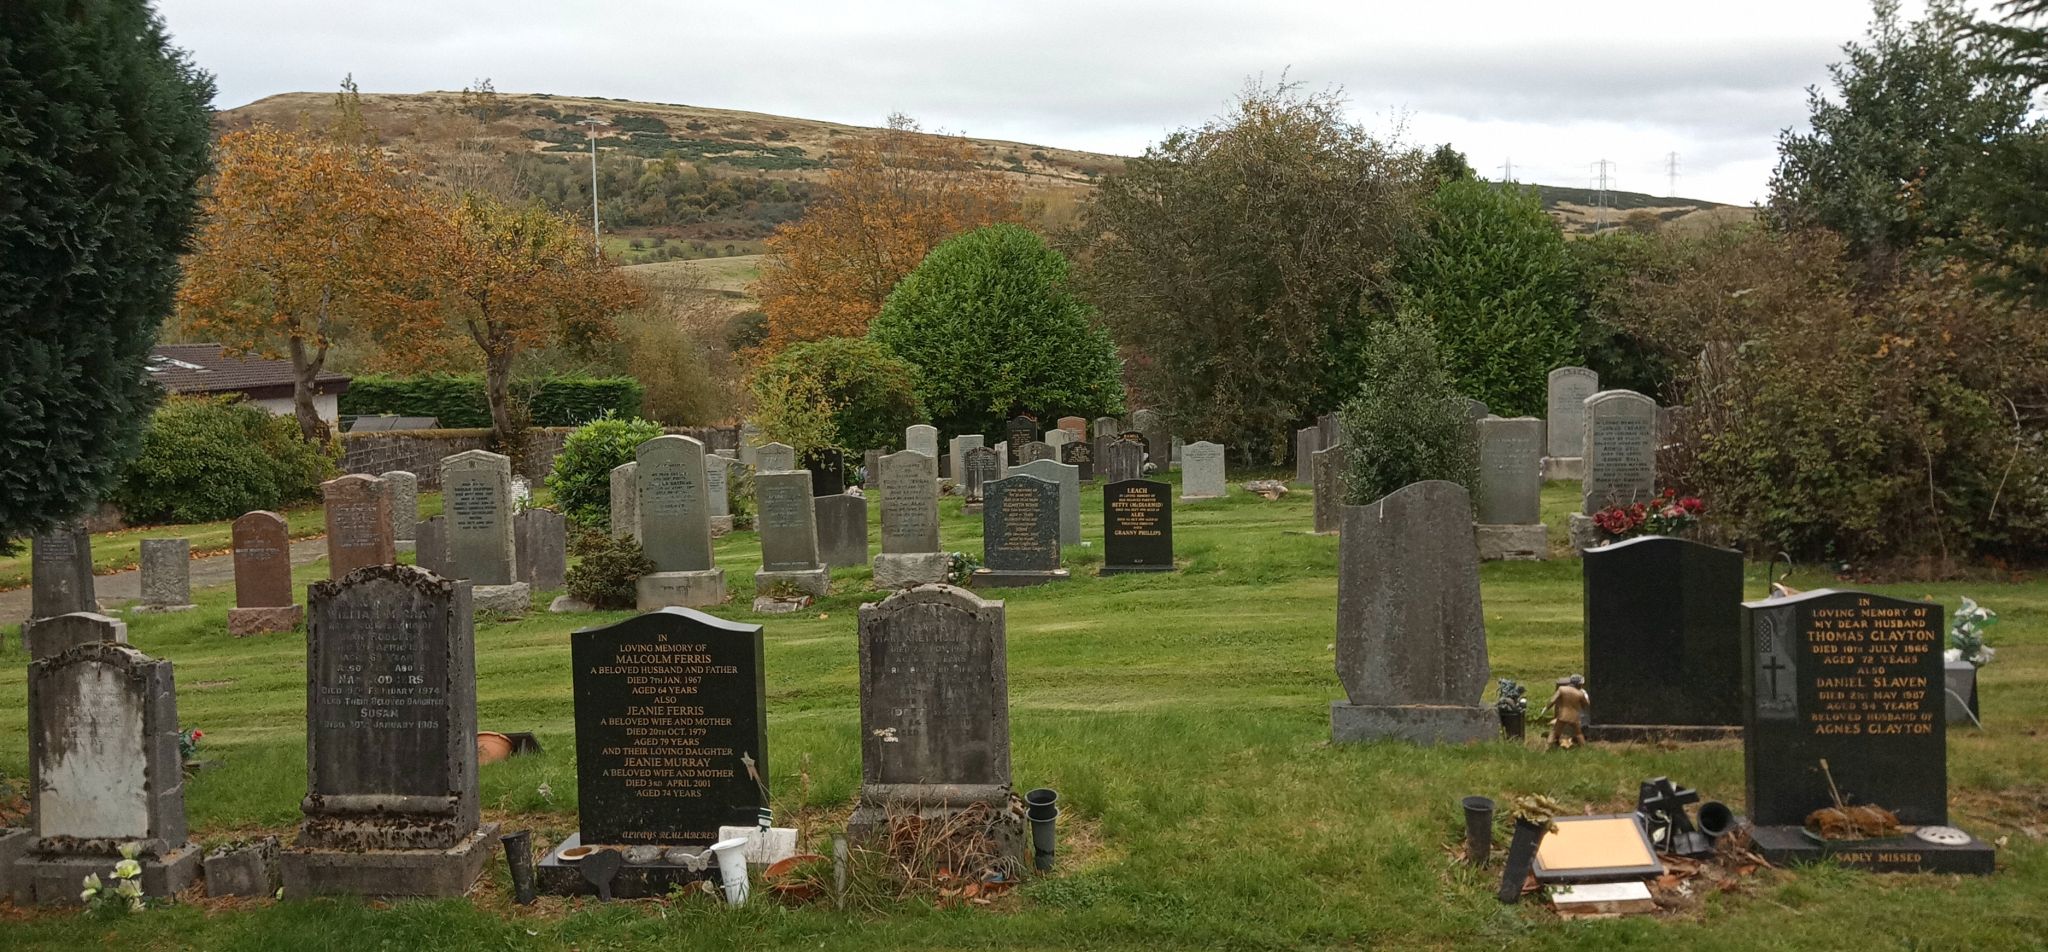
1667, 515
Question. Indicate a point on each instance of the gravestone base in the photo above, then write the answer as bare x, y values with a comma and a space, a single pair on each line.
436, 873
1652, 733
992, 578
52, 879
937, 804
970, 508
772, 605
44, 637
570, 603
162, 609
13, 842
243, 622
510, 601
1584, 533
816, 582
1960, 681
906, 569
1529, 543
1416, 723
555, 876
721, 526
1564, 467
764, 847
405, 545
1783, 845
682, 589
1129, 569
249, 871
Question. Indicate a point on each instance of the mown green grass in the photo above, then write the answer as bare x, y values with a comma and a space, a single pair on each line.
1183, 719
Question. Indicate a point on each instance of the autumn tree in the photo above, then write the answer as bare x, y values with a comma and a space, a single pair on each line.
504, 280
891, 199
302, 240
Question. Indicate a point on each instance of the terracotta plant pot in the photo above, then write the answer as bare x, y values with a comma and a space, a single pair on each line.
792, 890
492, 747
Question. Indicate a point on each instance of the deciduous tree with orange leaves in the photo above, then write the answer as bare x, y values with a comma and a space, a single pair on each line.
303, 237
892, 198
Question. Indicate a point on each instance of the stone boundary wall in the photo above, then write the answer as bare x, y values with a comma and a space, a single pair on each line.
419, 452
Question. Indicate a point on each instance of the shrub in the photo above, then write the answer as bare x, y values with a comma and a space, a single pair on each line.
1408, 422
607, 571
991, 327
209, 459
582, 477
458, 400
871, 392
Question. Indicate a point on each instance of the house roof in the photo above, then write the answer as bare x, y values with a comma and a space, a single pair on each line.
206, 368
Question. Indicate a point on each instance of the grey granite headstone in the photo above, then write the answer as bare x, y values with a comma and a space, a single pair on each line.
957, 448
789, 534
934, 708
1057, 438
166, 575
542, 537
922, 438
1020, 532
391, 804
775, 458
750, 441
1329, 489
675, 525
625, 521
1107, 426
1411, 633
60, 572
1080, 454
1329, 430
718, 491
50, 637
910, 521
842, 530
1201, 469
1510, 489
405, 503
430, 549
358, 523
1121, 460
476, 501
104, 771
1035, 450
984, 466
1568, 389
1621, 449
1068, 479
1307, 441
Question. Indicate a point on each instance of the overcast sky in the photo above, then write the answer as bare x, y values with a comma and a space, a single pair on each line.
1553, 86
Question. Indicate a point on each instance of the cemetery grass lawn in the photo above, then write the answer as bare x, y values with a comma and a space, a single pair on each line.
1184, 721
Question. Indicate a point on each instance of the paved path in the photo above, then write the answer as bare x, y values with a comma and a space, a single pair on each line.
120, 588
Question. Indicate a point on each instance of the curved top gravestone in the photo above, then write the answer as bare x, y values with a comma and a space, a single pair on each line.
476, 494
1621, 449
774, 457
1410, 629
1663, 634
910, 503
922, 438
674, 500
1201, 467
1565, 414
934, 698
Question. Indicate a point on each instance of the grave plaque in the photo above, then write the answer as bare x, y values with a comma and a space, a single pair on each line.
1020, 532
60, 572
1108, 426
1201, 467
1056, 438
1510, 471
774, 458
1123, 461
1080, 454
391, 802
787, 522
1307, 441
625, 518
543, 542
718, 491
1663, 639
1034, 451
910, 522
1329, 430
1568, 389
1137, 527
1621, 449
166, 575
671, 729
842, 530
675, 524
1329, 489
1021, 430
50, 637
934, 695
263, 561
476, 502
1068, 479
922, 438
430, 549
405, 503
1855, 680
358, 524
750, 442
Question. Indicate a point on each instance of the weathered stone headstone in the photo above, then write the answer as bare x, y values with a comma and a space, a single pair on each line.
774, 458
1158, 438
828, 471
1329, 489
1036, 450
1068, 479
789, 536
842, 530
671, 743
1020, 533
166, 575
718, 491
104, 771
476, 502
1411, 634
1475, 410
1671, 424
910, 522
750, 443
625, 521
871, 463
957, 449
391, 801
1329, 430
1021, 431
1201, 468
50, 637
1307, 441
1123, 461
263, 576
542, 538
405, 505
1057, 439
1076, 427
1852, 680
1568, 389
430, 549
1107, 426
60, 572
1621, 449
1080, 454
358, 524
922, 438
1510, 489
1663, 639
1143, 443
675, 525
1137, 527
934, 709
984, 466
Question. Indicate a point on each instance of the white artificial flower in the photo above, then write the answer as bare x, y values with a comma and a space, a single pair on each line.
127, 869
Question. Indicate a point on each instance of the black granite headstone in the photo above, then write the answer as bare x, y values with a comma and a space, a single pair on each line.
1020, 430
671, 729
828, 471
1137, 527
1134, 436
1020, 532
1664, 639
1080, 454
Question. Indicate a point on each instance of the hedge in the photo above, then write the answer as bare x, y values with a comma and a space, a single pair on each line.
457, 400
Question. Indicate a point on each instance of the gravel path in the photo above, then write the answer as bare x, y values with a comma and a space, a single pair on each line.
120, 588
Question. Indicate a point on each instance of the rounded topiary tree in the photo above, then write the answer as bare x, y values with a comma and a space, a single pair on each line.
103, 141
872, 392
582, 477
990, 325
1408, 422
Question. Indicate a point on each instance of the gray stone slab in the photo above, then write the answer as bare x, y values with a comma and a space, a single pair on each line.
166, 575
675, 504
1020, 533
1329, 489
476, 509
1068, 479
1307, 441
625, 498
542, 538
1510, 471
358, 512
1120, 461
405, 503
842, 530
774, 458
922, 438
1567, 389
1158, 436
60, 572
958, 448
49, 637
787, 521
1511, 543
1621, 449
934, 698
1201, 469
718, 485
984, 466
910, 503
